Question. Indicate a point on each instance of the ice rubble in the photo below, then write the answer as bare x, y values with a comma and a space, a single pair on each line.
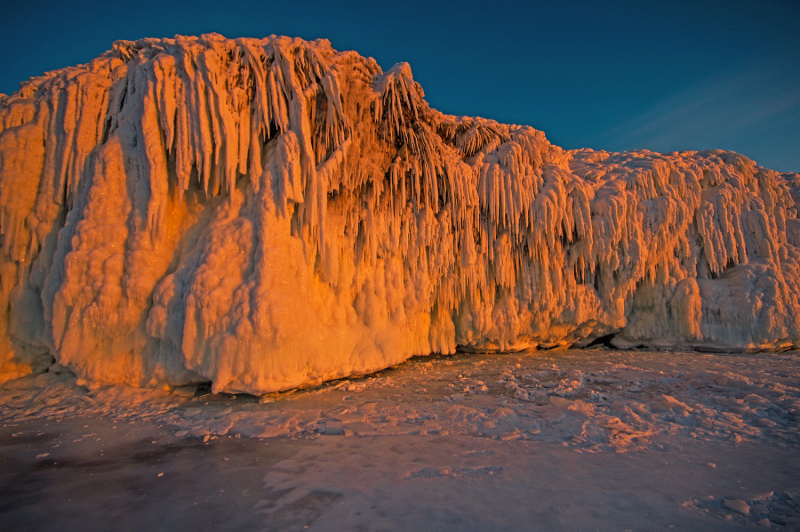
271, 213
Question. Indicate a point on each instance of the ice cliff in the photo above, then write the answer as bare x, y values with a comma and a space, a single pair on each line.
272, 213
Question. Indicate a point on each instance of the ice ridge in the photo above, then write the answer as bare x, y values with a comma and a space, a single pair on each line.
272, 213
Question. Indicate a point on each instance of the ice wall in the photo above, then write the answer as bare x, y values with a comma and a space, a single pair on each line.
271, 213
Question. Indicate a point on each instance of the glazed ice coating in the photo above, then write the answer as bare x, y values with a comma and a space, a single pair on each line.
271, 213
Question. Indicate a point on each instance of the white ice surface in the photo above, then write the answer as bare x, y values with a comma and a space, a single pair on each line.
557, 440
588, 400
271, 213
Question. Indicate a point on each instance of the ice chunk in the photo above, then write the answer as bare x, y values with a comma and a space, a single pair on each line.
737, 505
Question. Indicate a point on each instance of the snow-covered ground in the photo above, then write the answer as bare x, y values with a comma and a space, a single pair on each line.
591, 439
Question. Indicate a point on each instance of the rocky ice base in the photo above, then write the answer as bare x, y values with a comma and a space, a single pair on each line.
271, 213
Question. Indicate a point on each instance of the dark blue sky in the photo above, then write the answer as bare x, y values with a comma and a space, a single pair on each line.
616, 75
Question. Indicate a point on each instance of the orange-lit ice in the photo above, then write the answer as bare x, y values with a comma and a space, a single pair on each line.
270, 213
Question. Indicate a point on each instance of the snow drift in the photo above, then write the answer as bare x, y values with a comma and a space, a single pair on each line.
271, 213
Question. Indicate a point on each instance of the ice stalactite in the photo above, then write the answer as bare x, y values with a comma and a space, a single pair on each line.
271, 213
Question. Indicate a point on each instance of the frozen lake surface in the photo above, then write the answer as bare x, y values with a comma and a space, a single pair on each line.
545, 440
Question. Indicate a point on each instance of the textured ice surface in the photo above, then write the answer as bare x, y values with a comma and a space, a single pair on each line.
374, 453
271, 213
588, 400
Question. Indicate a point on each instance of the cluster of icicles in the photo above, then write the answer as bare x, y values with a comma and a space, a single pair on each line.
271, 213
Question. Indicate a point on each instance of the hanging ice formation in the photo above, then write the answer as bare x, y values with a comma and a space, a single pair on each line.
272, 213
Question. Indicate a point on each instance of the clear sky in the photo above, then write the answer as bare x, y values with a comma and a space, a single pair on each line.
616, 75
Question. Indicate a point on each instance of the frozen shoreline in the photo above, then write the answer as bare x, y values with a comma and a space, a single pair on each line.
570, 440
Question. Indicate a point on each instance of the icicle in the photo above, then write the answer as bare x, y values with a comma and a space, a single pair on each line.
268, 213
